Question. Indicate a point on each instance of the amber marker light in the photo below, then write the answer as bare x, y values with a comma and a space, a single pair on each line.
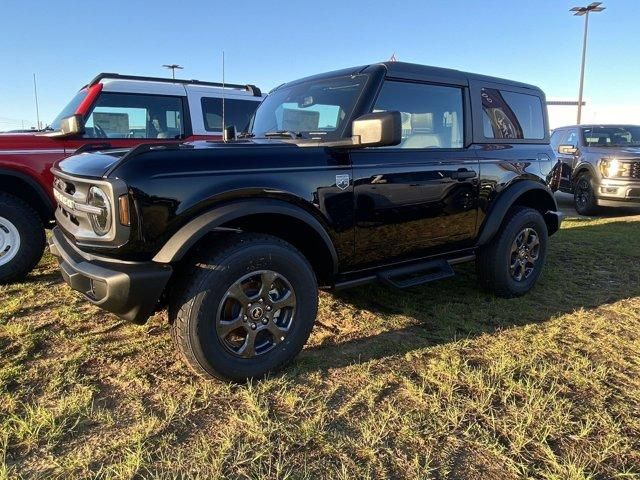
123, 209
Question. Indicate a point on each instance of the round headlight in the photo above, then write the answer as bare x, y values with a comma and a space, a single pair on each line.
101, 222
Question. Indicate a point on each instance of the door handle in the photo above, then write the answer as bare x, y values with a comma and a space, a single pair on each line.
463, 174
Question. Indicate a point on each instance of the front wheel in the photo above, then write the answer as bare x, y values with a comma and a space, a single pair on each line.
245, 310
511, 264
22, 238
584, 196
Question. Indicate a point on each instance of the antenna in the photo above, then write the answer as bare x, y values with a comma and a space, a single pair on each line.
223, 123
173, 67
35, 92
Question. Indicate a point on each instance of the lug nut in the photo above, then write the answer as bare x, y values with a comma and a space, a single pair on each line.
261, 300
245, 318
248, 305
253, 326
265, 321
268, 308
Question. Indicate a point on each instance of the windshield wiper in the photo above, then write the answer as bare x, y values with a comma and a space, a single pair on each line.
283, 134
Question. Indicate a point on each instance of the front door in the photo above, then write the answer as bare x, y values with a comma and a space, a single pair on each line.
417, 196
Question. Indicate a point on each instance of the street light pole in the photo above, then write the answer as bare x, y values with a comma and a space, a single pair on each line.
173, 68
580, 11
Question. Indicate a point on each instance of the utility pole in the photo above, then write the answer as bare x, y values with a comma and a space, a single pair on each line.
580, 11
173, 68
35, 92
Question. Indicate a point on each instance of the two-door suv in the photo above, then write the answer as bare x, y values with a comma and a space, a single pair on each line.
392, 172
600, 165
111, 111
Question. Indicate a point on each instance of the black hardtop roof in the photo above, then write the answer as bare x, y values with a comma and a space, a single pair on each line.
414, 71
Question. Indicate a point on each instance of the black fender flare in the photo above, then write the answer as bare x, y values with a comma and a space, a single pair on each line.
506, 200
584, 166
33, 184
187, 236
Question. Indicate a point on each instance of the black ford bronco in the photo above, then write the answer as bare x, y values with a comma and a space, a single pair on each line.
390, 172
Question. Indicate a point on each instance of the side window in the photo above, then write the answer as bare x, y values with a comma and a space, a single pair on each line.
511, 115
123, 115
571, 138
432, 115
556, 136
236, 112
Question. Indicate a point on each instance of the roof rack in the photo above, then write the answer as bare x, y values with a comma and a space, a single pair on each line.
252, 89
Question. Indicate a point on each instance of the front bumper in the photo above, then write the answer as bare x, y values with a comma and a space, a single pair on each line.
553, 219
130, 290
618, 193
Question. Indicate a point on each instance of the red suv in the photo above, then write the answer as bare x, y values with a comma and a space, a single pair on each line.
112, 111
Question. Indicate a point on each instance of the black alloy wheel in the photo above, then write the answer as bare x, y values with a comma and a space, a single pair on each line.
256, 313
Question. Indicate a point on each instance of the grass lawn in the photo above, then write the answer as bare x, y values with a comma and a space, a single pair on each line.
442, 381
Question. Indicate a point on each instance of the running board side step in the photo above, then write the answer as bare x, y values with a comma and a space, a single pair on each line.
416, 274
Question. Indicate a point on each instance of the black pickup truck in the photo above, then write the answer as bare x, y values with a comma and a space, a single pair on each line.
391, 172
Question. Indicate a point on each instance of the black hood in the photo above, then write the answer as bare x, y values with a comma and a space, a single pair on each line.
91, 164
102, 164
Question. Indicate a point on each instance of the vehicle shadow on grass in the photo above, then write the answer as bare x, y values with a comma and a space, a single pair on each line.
588, 265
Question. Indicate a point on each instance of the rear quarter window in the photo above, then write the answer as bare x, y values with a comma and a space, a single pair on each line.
511, 115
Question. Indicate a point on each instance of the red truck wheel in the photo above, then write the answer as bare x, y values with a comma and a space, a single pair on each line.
22, 238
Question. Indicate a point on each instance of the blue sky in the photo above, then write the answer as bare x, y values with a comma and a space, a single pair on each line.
269, 42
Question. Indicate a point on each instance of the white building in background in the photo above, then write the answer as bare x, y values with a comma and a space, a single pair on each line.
560, 115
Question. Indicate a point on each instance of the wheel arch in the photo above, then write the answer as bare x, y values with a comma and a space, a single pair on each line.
527, 193
275, 217
581, 168
24, 187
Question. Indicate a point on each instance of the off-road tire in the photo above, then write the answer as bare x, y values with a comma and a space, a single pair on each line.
590, 206
494, 260
200, 288
32, 238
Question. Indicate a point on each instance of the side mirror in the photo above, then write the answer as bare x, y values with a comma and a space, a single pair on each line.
71, 125
380, 129
567, 150
229, 133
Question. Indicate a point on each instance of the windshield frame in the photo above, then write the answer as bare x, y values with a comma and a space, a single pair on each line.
633, 129
70, 108
343, 128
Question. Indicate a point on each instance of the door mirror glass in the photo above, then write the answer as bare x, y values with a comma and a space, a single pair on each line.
229, 133
567, 150
381, 129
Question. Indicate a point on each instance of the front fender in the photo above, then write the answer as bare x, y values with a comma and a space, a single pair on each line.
584, 165
185, 238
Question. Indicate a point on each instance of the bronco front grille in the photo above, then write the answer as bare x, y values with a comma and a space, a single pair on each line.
73, 214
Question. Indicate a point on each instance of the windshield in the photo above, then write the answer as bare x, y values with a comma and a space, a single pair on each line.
612, 136
69, 110
316, 109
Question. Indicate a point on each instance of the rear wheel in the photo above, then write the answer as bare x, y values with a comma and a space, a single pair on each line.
512, 263
584, 195
22, 238
245, 310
